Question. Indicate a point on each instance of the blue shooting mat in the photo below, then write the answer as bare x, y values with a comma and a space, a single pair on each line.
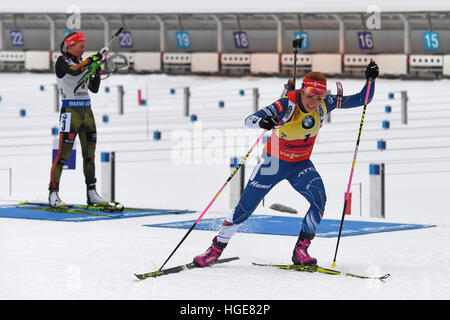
42, 213
290, 226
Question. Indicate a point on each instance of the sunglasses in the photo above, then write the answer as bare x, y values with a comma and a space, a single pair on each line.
313, 93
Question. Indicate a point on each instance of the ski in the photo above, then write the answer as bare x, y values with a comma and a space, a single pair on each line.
319, 270
113, 207
75, 209
177, 269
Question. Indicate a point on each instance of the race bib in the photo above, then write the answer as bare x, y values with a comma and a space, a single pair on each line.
64, 122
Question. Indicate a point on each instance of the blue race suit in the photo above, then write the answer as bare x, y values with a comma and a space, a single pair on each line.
286, 156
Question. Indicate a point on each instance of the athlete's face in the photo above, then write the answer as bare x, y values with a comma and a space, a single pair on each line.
77, 49
309, 102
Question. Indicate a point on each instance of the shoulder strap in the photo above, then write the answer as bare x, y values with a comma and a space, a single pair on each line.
292, 104
322, 111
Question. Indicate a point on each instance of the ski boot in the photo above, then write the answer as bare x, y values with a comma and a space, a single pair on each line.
94, 199
54, 200
211, 255
300, 254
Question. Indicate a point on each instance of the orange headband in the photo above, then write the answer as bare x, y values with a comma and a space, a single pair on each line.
74, 39
314, 87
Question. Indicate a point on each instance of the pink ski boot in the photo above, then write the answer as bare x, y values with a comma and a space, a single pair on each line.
211, 255
300, 255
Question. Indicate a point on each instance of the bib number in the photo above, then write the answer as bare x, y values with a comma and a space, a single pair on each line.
64, 122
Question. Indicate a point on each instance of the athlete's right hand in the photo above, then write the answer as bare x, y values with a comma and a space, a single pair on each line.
372, 70
268, 123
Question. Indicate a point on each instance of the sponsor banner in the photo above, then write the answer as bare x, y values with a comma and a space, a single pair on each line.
76, 103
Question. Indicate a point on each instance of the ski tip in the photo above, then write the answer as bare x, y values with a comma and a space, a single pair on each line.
233, 258
144, 276
139, 276
383, 278
153, 274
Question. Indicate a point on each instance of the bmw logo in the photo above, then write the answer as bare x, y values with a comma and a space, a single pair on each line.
308, 122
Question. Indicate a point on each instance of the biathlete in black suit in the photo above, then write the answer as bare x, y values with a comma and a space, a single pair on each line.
76, 118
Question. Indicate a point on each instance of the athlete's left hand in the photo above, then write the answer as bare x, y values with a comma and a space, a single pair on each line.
104, 53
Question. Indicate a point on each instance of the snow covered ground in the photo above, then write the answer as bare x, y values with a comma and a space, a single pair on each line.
96, 260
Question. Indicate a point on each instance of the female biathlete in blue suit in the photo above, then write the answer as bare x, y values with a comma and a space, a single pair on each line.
295, 121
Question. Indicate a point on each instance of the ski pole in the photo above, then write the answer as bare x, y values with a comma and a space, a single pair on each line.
215, 197
347, 194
